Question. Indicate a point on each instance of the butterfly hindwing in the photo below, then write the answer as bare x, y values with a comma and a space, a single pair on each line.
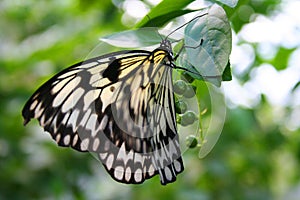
121, 107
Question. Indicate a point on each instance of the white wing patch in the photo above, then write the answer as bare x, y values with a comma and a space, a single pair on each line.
72, 100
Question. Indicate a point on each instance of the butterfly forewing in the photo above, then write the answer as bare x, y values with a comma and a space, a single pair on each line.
121, 107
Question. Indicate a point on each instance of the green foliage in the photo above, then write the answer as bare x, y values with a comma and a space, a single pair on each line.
164, 12
242, 12
226, 76
256, 157
133, 38
280, 61
187, 77
215, 32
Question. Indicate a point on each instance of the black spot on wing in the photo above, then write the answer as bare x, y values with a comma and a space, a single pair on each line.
112, 72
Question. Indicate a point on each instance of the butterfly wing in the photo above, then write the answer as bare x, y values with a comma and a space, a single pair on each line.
119, 106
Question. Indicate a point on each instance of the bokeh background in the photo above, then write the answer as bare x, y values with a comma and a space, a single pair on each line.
257, 155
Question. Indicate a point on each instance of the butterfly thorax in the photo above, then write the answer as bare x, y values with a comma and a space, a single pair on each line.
163, 54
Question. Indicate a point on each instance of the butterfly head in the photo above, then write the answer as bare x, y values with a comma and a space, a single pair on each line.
166, 45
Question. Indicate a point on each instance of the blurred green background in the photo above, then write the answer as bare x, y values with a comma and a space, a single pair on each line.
256, 157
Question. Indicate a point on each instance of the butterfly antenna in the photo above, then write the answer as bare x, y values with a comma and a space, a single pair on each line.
185, 24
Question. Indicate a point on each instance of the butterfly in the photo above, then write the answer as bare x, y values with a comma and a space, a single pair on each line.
119, 106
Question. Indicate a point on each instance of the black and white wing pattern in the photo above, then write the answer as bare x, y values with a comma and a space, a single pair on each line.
119, 106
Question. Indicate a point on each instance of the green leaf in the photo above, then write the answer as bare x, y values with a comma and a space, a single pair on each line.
165, 11
281, 59
226, 76
163, 19
211, 57
133, 38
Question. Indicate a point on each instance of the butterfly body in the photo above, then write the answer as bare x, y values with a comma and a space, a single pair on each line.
119, 106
